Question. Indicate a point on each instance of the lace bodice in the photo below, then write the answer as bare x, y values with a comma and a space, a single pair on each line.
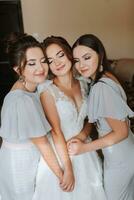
71, 117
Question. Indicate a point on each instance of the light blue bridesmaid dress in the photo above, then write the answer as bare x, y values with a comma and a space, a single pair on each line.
22, 118
107, 99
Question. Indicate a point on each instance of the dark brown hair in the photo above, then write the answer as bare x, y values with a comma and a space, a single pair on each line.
91, 41
10, 39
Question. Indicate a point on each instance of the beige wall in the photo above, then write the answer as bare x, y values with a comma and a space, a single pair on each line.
111, 20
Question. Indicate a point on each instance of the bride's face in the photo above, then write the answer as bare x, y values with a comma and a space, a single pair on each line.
59, 63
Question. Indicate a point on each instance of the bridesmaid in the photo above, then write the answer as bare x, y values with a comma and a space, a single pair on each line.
107, 108
23, 125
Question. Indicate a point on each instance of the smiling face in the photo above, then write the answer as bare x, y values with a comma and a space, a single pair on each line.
36, 68
86, 61
59, 63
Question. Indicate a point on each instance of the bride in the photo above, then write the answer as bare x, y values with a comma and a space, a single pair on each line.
64, 100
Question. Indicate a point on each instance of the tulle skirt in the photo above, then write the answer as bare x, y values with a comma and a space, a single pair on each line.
88, 180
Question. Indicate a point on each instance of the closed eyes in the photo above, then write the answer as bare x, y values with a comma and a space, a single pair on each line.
31, 63
44, 60
34, 62
84, 57
50, 61
60, 54
75, 61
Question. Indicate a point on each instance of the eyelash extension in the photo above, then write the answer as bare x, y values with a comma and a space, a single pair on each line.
49, 62
31, 64
87, 58
75, 61
44, 61
61, 55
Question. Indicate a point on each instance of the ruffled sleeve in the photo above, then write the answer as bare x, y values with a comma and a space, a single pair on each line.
44, 86
22, 118
106, 102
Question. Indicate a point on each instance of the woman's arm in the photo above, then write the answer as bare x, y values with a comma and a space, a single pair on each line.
119, 132
48, 154
50, 110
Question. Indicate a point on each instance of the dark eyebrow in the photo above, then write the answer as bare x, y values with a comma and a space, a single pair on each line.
86, 54
56, 54
31, 60
59, 52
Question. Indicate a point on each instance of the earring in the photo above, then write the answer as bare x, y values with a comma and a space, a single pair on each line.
22, 78
101, 68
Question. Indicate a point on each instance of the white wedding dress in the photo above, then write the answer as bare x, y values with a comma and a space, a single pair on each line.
87, 167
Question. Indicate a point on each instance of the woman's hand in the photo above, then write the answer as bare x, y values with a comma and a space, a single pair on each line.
84, 134
73, 138
76, 146
68, 181
60, 176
